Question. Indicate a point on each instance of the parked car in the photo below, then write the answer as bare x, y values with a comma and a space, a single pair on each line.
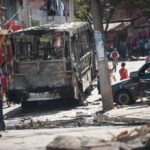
137, 85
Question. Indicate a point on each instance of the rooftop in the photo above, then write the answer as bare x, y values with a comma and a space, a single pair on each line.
71, 28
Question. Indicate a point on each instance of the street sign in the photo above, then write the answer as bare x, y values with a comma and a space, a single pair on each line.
99, 45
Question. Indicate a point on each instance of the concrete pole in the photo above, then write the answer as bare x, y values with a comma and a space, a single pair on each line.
71, 11
26, 13
104, 76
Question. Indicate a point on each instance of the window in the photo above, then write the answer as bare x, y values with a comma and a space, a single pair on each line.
11, 7
40, 47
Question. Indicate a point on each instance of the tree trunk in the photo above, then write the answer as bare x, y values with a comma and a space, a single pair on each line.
105, 86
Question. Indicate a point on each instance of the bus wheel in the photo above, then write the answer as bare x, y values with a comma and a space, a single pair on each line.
25, 105
29, 105
67, 94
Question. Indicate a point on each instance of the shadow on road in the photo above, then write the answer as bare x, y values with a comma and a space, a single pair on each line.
139, 104
41, 108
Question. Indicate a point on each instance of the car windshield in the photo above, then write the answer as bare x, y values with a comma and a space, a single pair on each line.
145, 71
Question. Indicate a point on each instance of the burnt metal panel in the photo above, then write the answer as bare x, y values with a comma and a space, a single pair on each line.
39, 74
71, 28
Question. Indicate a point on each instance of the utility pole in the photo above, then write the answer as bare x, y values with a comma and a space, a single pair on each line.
104, 76
71, 11
26, 13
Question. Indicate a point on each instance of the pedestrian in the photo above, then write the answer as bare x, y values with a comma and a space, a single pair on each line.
122, 50
98, 85
4, 83
115, 55
2, 124
123, 72
112, 79
147, 58
111, 74
142, 48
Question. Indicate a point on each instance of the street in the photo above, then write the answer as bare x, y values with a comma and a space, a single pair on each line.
57, 90
52, 119
56, 113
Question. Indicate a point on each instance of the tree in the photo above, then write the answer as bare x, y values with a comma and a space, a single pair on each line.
82, 9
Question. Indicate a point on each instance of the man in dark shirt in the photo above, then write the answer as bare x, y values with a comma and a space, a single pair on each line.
2, 124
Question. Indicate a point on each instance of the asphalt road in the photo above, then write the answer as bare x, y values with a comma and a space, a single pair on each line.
65, 119
54, 111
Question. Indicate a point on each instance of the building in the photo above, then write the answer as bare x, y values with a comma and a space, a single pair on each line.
132, 30
26, 13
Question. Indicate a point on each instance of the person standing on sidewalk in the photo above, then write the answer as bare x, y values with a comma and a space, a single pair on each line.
112, 79
2, 123
114, 55
123, 72
147, 58
4, 84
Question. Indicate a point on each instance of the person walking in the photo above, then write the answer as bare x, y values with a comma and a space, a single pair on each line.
4, 84
122, 50
114, 55
147, 58
2, 123
123, 72
112, 79
112, 76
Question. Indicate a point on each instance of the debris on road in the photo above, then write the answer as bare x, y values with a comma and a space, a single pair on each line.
139, 138
106, 120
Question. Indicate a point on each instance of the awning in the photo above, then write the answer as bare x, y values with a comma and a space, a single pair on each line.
117, 26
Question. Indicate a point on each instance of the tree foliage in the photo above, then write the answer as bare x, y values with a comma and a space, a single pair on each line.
131, 5
82, 9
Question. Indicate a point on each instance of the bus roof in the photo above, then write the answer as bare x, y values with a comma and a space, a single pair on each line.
71, 28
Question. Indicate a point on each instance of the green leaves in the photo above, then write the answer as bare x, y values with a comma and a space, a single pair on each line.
82, 8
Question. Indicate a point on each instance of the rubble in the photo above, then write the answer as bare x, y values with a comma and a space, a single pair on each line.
80, 120
103, 119
137, 139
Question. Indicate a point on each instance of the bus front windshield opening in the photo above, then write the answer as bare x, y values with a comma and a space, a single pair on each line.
44, 47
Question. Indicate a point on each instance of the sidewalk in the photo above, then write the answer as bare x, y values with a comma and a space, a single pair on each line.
39, 139
136, 114
31, 139
7, 109
139, 110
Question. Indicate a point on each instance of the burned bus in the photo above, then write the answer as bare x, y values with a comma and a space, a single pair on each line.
52, 61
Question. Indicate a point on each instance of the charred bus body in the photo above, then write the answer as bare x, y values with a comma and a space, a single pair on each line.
53, 61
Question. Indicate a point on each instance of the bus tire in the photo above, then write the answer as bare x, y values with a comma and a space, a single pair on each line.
29, 105
25, 105
67, 94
